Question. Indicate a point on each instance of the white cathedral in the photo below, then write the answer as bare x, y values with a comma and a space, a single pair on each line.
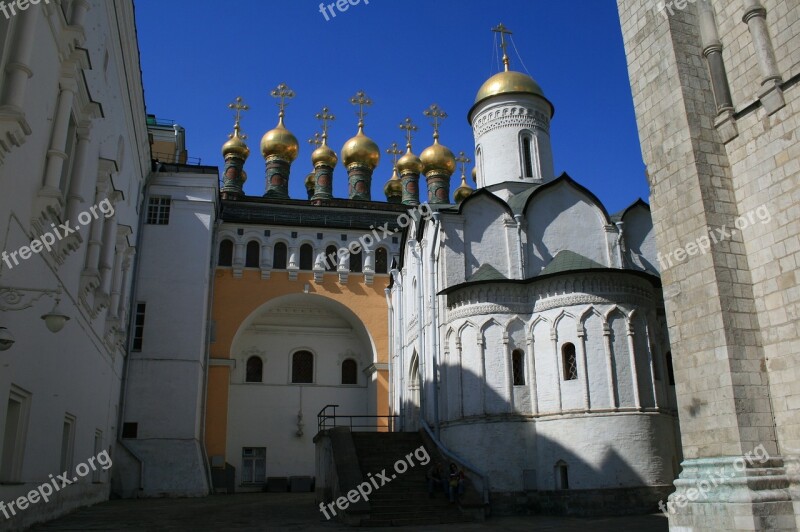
528, 325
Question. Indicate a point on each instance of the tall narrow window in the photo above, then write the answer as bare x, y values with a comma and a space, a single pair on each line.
356, 263
254, 465
562, 475
67, 442
670, 371
69, 149
255, 370
518, 367
306, 257
279, 256
225, 253
527, 156
570, 362
302, 367
14, 434
138, 327
381, 260
331, 258
158, 210
253, 256
349, 372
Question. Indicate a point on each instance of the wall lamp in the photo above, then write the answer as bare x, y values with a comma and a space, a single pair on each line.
15, 299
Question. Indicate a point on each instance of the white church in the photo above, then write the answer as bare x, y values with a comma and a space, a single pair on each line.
528, 325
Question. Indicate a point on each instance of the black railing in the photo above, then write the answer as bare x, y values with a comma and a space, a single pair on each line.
327, 419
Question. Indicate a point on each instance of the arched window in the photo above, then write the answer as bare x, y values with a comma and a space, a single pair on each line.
356, 263
479, 165
306, 257
570, 362
349, 372
253, 257
527, 156
279, 256
225, 253
381, 260
331, 258
518, 367
255, 370
670, 372
562, 475
302, 367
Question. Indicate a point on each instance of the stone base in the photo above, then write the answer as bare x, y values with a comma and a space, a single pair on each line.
731, 494
582, 503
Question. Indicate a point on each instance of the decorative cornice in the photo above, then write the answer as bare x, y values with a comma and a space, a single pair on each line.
510, 116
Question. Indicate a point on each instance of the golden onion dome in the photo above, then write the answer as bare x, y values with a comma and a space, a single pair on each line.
409, 163
393, 187
438, 157
509, 82
463, 191
280, 142
361, 149
236, 146
311, 181
324, 155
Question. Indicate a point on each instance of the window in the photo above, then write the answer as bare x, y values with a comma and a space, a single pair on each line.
67, 442
570, 362
331, 258
518, 367
562, 475
138, 327
255, 370
254, 465
158, 210
381, 260
670, 371
98, 447
279, 256
225, 253
349, 372
527, 156
306, 257
14, 435
69, 149
253, 257
356, 264
302, 367
130, 430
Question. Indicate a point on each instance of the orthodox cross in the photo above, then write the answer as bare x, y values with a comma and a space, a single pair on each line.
409, 127
282, 92
361, 100
503, 31
464, 160
316, 140
238, 106
437, 114
326, 118
395, 151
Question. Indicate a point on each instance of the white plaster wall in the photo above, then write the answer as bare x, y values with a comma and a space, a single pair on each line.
640, 241
485, 236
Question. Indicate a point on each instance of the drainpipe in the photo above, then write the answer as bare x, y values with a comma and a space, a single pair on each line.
434, 323
388, 293
518, 219
621, 244
400, 343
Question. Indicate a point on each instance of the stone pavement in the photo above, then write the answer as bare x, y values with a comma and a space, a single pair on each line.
278, 511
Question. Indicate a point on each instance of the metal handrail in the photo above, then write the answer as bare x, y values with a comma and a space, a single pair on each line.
323, 418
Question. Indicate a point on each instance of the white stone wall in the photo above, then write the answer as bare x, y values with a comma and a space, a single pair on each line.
55, 65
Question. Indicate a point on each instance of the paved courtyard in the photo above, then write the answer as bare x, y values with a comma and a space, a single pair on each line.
270, 511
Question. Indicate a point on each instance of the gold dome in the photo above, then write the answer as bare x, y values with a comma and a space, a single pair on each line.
463, 191
509, 82
324, 155
393, 187
361, 149
280, 142
409, 163
311, 181
236, 146
438, 157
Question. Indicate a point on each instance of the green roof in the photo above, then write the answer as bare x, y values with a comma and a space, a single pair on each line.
486, 272
566, 260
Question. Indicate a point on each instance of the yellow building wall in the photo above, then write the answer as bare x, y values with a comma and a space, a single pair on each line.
236, 299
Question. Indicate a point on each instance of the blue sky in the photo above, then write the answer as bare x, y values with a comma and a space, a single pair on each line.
198, 55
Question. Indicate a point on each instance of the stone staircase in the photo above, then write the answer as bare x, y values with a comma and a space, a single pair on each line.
404, 501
